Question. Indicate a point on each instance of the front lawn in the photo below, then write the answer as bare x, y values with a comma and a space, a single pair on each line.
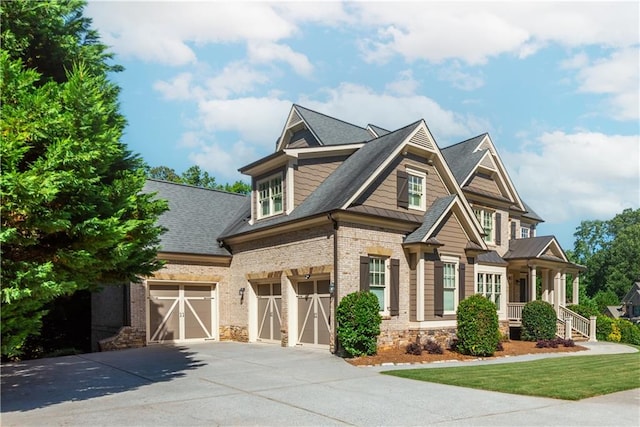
569, 378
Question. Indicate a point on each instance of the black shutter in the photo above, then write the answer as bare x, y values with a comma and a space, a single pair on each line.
513, 230
438, 289
498, 228
394, 292
461, 282
364, 273
403, 189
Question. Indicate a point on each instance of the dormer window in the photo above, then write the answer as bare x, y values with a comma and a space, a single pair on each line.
270, 196
416, 189
525, 232
485, 218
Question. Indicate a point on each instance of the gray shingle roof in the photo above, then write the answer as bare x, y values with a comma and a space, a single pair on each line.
633, 295
431, 217
461, 157
378, 130
332, 131
491, 257
195, 218
337, 188
527, 248
530, 213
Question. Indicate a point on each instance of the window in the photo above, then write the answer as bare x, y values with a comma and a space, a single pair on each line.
524, 232
378, 280
490, 286
449, 287
270, 196
416, 190
486, 220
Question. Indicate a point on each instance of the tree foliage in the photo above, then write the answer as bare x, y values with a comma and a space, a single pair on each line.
611, 252
72, 213
196, 177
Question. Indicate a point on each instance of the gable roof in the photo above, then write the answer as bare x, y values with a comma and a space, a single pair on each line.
339, 187
531, 213
533, 247
432, 217
463, 158
195, 218
633, 296
377, 130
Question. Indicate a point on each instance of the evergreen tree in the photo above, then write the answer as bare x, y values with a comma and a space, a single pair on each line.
72, 213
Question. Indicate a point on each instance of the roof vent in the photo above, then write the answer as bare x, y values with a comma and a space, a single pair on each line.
422, 139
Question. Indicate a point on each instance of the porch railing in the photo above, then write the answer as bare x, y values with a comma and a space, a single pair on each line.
514, 311
578, 323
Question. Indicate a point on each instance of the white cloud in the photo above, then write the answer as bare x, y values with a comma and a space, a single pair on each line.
266, 52
179, 88
405, 84
224, 161
581, 175
460, 79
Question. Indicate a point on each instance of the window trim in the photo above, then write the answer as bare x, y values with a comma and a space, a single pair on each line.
493, 271
456, 289
422, 176
270, 197
386, 294
522, 229
482, 215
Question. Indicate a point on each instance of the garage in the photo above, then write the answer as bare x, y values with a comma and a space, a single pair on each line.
181, 312
314, 312
269, 308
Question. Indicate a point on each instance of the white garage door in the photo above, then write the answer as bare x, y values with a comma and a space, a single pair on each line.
314, 312
181, 312
269, 309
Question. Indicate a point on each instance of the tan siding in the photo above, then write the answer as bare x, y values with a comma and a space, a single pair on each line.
310, 173
485, 183
412, 286
383, 193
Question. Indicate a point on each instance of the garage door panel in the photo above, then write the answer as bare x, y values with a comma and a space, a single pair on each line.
277, 319
306, 327
164, 319
197, 319
263, 319
314, 316
323, 320
269, 309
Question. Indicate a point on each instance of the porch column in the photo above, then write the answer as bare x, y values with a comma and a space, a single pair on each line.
532, 283
563, 289
575, 297
556, 290
545, 285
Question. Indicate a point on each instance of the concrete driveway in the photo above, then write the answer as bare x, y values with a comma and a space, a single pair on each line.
258, 384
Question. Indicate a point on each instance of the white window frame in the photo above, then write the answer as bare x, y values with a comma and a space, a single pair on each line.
525, 232
385, 279
271, 196
493, 280
487, 222
455, 262
419, 191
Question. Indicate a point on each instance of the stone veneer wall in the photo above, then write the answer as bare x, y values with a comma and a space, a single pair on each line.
127, 337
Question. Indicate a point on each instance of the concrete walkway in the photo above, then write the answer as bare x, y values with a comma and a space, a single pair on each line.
259, 384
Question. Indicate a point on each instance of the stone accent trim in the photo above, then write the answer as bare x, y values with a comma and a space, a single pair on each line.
234, 333
379, 250
180, 277
127, 337
322, 269
264, 275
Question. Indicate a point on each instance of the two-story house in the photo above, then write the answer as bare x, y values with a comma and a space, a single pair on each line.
339, 208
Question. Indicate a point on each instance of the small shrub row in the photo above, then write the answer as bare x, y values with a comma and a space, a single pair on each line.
617, 330
431, 347
555, 343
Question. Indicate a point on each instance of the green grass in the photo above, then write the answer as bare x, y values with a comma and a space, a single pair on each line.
568, 378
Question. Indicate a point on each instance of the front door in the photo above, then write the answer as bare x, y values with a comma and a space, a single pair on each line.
181, 312
269, 309
314, 312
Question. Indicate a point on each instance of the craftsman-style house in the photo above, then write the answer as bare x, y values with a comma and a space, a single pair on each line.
339, 208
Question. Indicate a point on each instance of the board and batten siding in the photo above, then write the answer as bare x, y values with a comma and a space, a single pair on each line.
484, 183
310, 173
451, 234
384, 191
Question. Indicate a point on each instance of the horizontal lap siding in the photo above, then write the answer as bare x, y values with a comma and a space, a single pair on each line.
486, 184
311, 173
412, 286
383, 193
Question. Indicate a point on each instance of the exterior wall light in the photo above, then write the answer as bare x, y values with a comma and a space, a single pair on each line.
241, 292
332, 288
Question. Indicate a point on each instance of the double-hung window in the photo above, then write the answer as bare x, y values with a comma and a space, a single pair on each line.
490, 286
450, 286
486, 220
270, 196
524, 232
416, 186
378, 280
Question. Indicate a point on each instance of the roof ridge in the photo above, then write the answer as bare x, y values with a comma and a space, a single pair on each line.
162, 181
466, 140
329, 117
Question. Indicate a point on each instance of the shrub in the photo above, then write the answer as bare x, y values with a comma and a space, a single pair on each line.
629, 332
603, 327
432, 347
555, 342
478, 327
359, 321
584, 310
413, 348
538, 321
615, 335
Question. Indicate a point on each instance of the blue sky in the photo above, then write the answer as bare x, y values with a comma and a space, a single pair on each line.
556, 85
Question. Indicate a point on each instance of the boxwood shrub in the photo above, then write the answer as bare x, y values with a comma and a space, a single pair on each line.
538, 321
478, 328
359, 321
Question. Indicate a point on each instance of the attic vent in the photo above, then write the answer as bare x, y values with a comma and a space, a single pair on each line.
487, 162
295, 118
422, 139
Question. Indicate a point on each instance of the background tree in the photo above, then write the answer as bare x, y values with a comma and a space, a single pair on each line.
197, 177
72, 213
611, 252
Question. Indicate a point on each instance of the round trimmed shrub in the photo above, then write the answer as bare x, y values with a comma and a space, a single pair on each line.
539, 321
478, 328
359, 321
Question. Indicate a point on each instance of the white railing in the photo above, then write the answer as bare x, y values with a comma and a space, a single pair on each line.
578, 323
514, 310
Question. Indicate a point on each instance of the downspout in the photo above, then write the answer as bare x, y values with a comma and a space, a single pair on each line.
334, 299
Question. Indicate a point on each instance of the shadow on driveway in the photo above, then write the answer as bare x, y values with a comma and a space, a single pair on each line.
39, 383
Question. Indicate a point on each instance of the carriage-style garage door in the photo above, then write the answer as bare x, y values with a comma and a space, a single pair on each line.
314, 312
269, 309
181, 312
